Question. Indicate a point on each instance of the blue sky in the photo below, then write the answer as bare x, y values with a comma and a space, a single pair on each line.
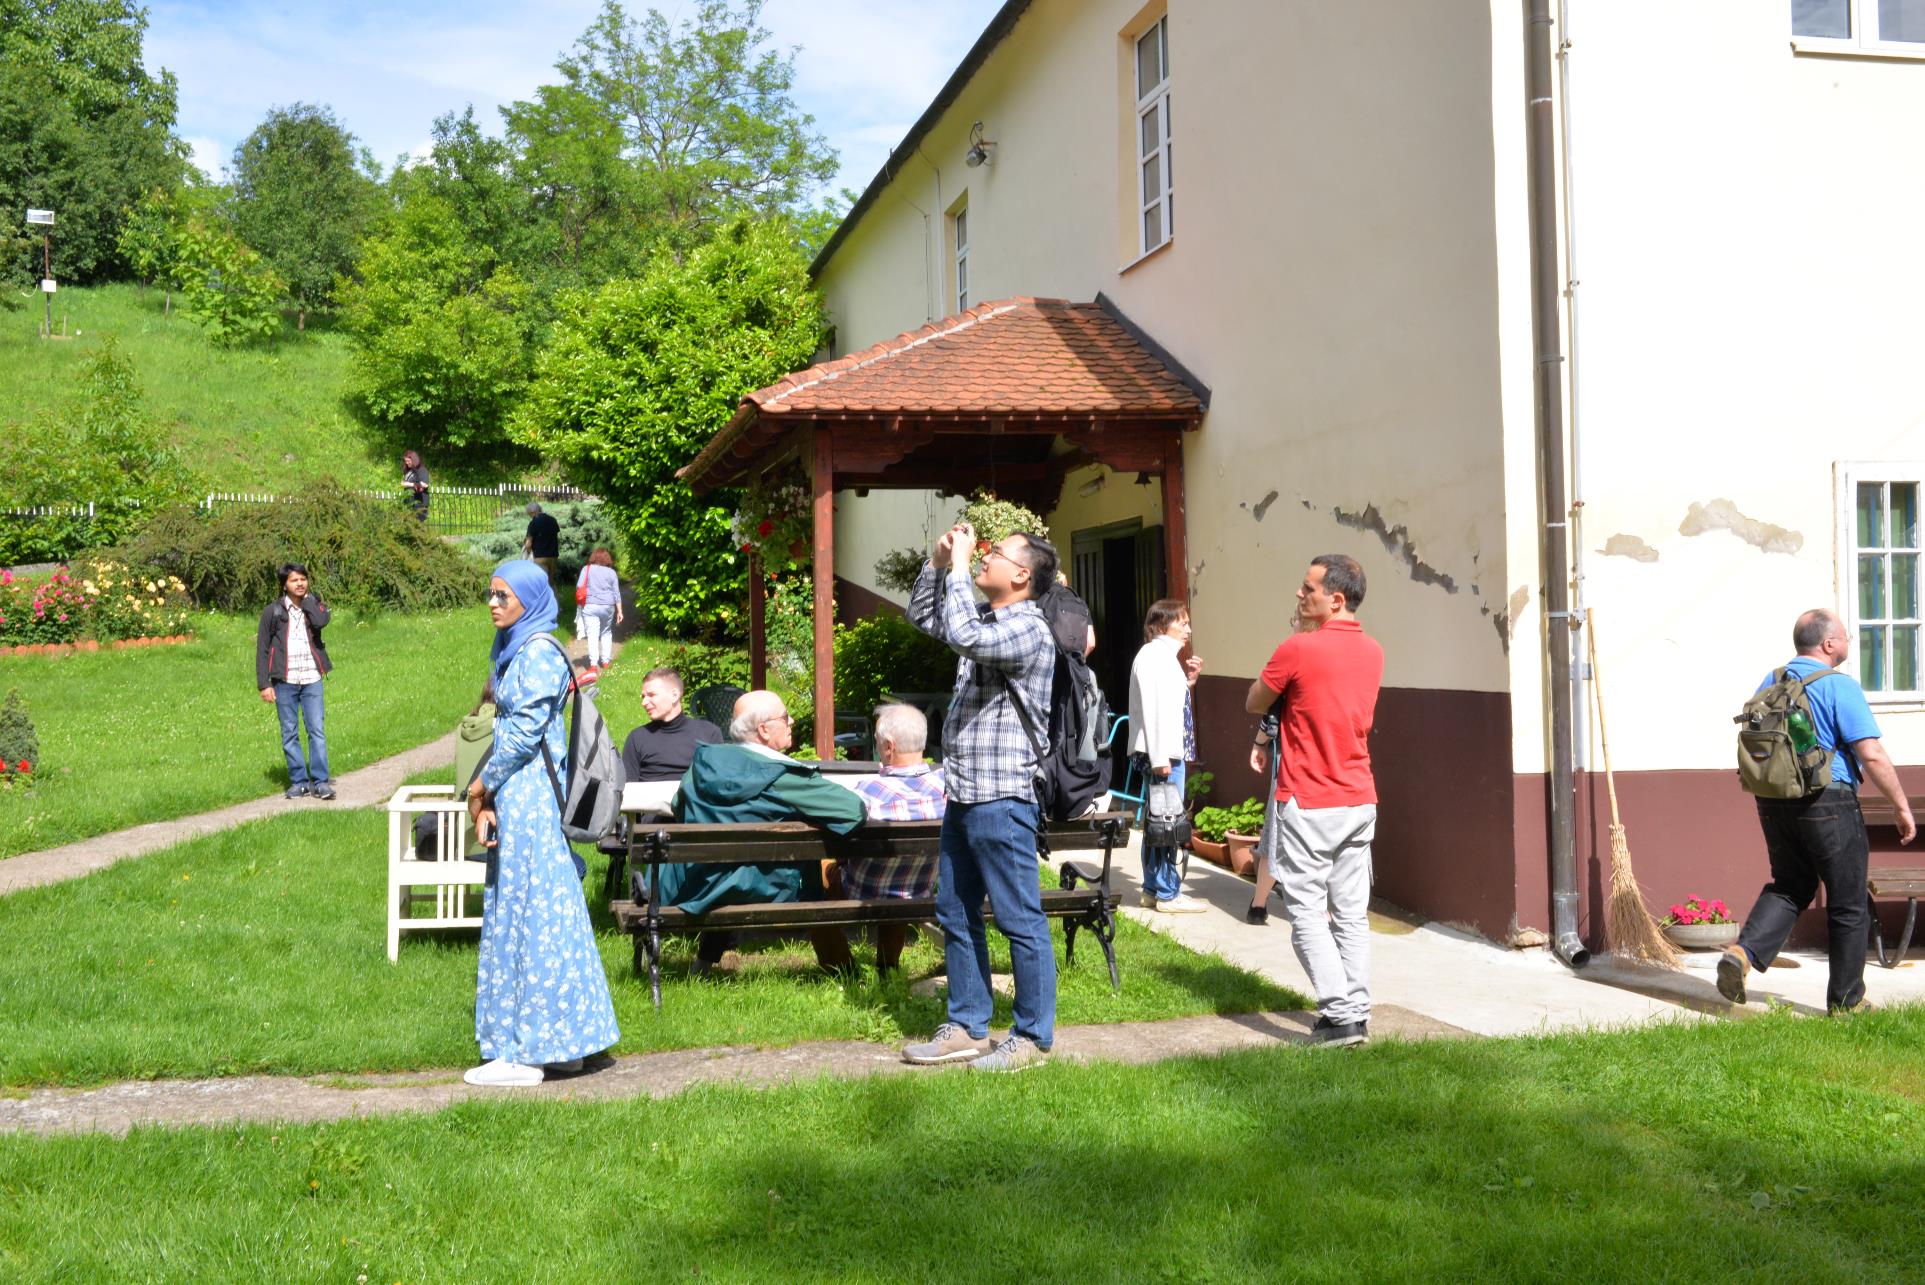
865, 70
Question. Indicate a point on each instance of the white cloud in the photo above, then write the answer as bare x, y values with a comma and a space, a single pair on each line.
209, 156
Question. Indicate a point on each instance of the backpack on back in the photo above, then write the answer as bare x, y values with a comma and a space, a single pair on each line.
1779, 756
1076, 770
591, 798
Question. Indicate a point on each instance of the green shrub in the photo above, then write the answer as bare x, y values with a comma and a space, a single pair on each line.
884, 654
702, 665
18, 743
360, 554
584, 528
898, 568
1213, 823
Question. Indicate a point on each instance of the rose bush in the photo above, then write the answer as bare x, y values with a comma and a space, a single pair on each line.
96, 599
1696, 910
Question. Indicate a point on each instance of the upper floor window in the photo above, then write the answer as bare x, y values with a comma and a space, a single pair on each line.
1861, 24
1882, 576
960, 232
1153, 135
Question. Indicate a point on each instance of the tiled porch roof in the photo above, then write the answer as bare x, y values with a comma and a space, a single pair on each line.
1012, 356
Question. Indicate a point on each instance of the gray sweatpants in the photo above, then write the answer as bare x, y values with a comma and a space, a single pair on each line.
1321, 861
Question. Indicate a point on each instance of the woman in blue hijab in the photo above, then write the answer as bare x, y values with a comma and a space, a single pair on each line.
541, 995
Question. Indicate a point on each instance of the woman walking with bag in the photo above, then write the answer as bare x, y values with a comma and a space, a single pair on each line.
598, 599
541, 995
1163, 740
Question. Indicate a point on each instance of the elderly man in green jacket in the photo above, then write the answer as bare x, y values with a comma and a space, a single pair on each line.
752, 778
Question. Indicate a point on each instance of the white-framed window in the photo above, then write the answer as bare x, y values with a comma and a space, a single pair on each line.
959, 232
1845, 26
1154, 186
1880, 543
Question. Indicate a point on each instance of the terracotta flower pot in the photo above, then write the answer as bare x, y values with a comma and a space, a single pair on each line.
1242, 853
1217, 854
1702, 936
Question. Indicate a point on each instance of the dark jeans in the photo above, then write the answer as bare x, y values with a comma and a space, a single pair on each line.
989, 850
1819, 840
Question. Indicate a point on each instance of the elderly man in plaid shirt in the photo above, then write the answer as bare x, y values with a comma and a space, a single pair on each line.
994, 737
907, 789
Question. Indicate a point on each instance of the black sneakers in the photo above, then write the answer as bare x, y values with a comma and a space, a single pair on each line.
1327, 1034
321, 790
295, 792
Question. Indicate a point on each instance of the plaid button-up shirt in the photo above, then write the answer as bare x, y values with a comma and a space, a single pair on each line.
1006, 656
300, 651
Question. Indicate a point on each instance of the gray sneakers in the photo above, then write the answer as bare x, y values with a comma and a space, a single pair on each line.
950, 1043
1017, 1053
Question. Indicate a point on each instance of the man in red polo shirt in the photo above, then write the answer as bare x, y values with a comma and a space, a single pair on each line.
1325, 810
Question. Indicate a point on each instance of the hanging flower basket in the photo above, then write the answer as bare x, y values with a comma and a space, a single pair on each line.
776, 521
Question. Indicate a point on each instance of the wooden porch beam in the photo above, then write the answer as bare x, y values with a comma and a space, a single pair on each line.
824, 513
1175, 528
758, 623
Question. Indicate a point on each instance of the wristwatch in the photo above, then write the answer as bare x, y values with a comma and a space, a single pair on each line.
1267, 728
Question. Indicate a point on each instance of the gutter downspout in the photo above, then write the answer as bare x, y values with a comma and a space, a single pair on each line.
1550, 458
1580, 614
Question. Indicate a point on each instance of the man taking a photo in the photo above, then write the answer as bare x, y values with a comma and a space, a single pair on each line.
994, 737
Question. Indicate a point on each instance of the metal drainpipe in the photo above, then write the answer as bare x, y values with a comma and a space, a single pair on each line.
1580, 613
1550, 456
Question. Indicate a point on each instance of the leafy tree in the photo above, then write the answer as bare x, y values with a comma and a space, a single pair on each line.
101, 448
302, 196
231, 290
584, 197
84, 129
704, 110
642, 372
442, 331
152, 240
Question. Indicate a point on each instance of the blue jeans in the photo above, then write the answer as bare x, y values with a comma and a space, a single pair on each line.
1163, 867
302, 701
989, 850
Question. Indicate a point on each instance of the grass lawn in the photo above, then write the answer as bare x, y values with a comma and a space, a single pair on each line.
264, 949
1777, 1148
154, 733
255, 418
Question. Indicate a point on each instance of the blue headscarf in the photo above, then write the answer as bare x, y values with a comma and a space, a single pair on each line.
538, 615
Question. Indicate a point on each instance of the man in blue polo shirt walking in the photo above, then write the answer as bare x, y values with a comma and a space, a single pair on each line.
1820, 839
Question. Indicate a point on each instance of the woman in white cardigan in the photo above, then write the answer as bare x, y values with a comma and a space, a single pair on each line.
1163, 737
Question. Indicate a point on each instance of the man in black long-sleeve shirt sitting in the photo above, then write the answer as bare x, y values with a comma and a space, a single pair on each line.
662, 748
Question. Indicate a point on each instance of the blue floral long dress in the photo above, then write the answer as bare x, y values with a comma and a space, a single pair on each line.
541, 994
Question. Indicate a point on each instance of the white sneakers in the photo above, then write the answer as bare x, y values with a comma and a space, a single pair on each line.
1181, 905
504, 1075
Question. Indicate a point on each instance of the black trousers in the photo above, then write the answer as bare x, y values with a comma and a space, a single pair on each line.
1814, 841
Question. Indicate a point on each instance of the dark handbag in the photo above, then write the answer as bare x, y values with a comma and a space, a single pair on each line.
1165, 823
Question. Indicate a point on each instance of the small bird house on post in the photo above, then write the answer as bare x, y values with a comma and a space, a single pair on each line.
44, 219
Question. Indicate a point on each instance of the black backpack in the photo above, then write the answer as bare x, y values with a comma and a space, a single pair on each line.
1076, 770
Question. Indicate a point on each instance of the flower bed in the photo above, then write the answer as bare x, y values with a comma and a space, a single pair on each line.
95, 601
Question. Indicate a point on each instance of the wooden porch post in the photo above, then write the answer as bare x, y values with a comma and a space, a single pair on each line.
1175, 530
758, 622
825, 682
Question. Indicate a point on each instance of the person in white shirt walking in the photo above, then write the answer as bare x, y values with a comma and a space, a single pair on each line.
1163, 737
290, 660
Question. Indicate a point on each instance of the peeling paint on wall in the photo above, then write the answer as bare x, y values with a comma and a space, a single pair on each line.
1504, 620
1630, 546
1723, 515
1397, 542
1263, 506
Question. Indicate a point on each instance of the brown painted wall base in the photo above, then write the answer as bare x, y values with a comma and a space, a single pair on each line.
853, 603
1462, 838
1444, 815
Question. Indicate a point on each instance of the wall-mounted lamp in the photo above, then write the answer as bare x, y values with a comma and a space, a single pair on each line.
978, 153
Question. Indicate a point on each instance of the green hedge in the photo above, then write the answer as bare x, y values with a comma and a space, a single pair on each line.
369, 556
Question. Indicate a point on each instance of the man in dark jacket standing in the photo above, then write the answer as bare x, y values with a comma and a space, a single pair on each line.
289, 662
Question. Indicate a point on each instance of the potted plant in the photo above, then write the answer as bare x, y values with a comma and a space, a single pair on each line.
1219, 834
1697, 924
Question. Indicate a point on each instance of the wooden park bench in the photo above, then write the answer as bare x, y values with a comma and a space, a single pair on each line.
1084, 899
1893, 881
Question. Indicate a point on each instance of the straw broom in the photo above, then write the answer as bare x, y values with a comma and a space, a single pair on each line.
1632, 931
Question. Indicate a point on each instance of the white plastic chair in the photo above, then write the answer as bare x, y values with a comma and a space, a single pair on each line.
450, 874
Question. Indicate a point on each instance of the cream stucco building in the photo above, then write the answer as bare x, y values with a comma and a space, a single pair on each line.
1322, 213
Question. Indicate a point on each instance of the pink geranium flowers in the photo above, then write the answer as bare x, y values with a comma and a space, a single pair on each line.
1696, 910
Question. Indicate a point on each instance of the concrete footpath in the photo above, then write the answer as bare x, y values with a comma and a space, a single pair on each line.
1467, 982
259, 1099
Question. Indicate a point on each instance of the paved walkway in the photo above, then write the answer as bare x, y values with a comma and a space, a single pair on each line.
1466, 981
285, 1099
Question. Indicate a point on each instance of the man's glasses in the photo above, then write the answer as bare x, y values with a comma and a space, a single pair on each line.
499, 597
